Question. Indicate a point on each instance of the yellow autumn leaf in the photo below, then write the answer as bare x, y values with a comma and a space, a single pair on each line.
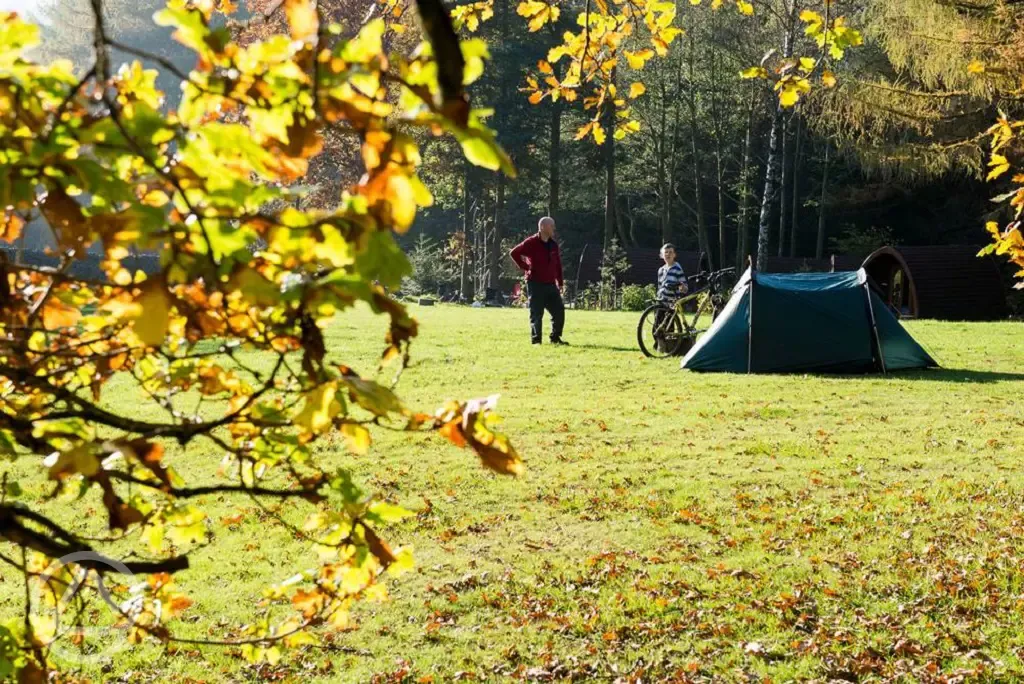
828, 79
637, 60
356, 437
302, 18
599, 134
745, 8
535, 97
56, 314
156, 198
998, 165
538, 13
788, 96
77, 461
636, 90
976, 67
402, 201
807, 63
754, 72
10, 226
153, 315
319, 410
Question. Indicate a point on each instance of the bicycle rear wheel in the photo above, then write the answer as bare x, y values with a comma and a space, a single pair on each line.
661, 332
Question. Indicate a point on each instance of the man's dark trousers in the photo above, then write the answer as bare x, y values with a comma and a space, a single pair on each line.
545, 296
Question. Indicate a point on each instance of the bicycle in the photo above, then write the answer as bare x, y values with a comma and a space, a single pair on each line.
665, 329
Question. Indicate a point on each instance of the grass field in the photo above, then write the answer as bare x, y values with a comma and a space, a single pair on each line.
669, 527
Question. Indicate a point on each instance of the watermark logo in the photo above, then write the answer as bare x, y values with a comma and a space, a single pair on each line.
70, 623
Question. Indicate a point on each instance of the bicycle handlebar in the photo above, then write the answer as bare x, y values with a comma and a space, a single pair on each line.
713, 274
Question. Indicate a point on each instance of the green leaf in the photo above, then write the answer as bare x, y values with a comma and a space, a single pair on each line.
474, 52
367, 44
382, 512
373, 397
12, 654
383, 260
191, 31
15, 36
482, 150
343, 484
8, 446
185, 525
153, 536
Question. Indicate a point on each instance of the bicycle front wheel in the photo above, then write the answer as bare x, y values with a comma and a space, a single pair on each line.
661, 332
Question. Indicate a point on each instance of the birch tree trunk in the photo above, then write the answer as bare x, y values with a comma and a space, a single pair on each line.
819, 251
742, 226
764, 223
783, 185
719, 170
794, 214
609, 168
698, 191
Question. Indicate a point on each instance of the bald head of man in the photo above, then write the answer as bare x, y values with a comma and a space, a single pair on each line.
546, 228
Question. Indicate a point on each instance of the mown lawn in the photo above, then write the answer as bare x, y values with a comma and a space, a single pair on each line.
669, 527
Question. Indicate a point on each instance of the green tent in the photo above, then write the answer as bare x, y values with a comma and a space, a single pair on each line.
806, 323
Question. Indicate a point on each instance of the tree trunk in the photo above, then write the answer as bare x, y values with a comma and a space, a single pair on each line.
494, 256
783, 186
664, 192
465, 276
698, 192
742, 227
764, 224
505, 93
609, 166
819, 251
555, 159
719, 171
794, 214
673, 166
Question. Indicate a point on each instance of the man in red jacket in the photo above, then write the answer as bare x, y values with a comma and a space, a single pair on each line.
539, 257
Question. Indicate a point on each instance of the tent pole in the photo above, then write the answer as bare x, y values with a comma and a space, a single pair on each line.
874, 327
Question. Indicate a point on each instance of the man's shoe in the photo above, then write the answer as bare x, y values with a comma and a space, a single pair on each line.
560, 342
534, 341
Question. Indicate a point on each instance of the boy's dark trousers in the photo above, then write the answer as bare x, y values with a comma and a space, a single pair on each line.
545, 296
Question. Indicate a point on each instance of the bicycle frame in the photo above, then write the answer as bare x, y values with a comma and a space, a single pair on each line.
707, 305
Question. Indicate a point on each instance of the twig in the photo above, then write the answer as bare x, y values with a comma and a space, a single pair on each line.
192, 492
14, 530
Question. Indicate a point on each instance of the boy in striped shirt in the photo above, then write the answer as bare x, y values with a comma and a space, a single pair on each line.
671, 279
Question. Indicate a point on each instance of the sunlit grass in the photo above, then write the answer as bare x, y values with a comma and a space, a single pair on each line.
678, 525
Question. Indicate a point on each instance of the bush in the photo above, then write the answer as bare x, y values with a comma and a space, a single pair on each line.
430, 271
860, 242
638, 297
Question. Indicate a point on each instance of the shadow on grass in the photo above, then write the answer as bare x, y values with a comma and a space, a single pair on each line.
960, 375
608, 347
